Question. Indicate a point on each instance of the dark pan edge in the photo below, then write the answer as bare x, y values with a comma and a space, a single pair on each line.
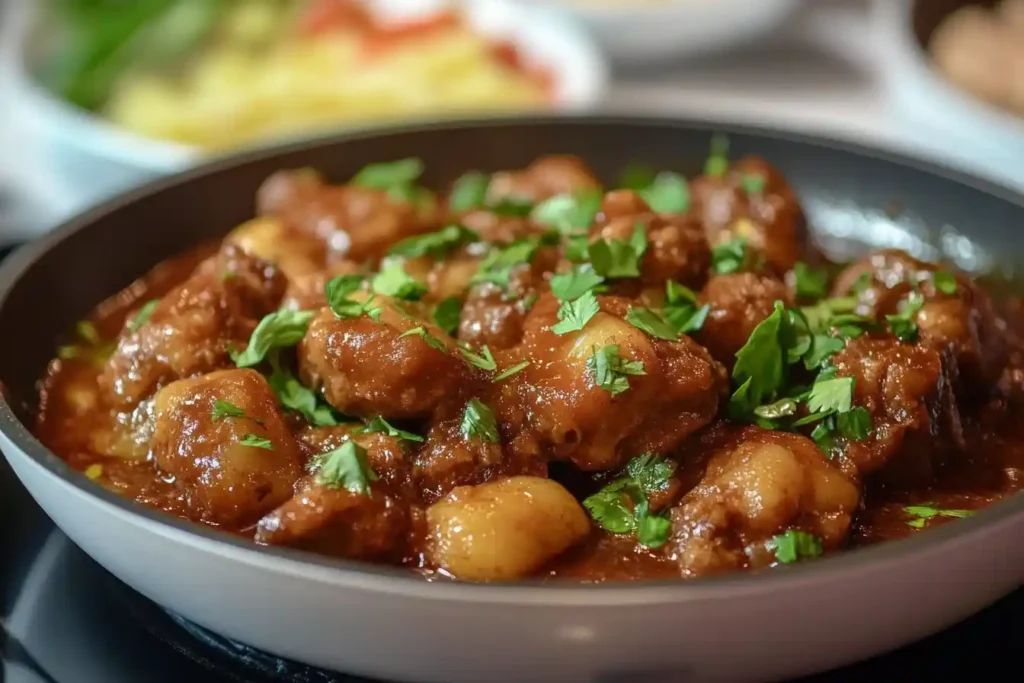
15, 265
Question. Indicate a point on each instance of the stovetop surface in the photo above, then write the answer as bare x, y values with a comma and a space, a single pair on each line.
64, 619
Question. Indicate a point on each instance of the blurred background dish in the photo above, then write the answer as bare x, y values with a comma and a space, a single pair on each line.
120, 95
638, 31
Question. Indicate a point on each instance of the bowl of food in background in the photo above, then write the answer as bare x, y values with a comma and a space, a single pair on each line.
638, 31
118, 96
955, 69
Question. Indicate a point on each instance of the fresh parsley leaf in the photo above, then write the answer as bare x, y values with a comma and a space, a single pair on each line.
447, 314
484, 361
279, 329
337, 292
944, 282
575, 248
810, 283
862, 282
379, 425
902, 324
574, 283
920, 514
256, 441
499, 262
760, 365
619, 258
610, 508
575, 314
469, 191
795, 545
143, 316
784, 407
388, 175
652, 530
729, 257
667, 193
431, 341
393, 281
823, 435
516, 207
293, 395
753, 183
681, 308
435, 244
831, 396
610, 371
88, 332
508, 372
854, 425
821, 349
651, 472
479, 420
718, 160
224, 409
345, 467
652, 322
622, 507
637, 177
567, 212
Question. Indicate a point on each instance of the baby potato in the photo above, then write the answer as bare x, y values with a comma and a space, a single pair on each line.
503, 530
604, 329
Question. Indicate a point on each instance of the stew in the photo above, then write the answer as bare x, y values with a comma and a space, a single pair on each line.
528, 376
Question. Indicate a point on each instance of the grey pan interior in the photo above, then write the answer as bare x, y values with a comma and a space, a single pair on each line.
853, 195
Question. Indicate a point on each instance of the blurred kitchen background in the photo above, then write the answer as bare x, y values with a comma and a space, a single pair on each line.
98, 95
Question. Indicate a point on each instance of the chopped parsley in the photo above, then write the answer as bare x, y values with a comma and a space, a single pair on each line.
447, 314
902, 324
469, 191
143, 316
508, 372
753, 183
574, 315
681, 308
256, 441
944, 282
398, 178
718, 160
619, 258
88, 332
652, 322
667, 193
795, 545
345, 467
637, 177
567, 212
435, 244
831, 396
729, 257
622, 507
337, 291
810, 283
293, 395
478, 420
393, 281
379, 425
279, 329
610, 371
575, 283
759, 371
497, 267
431, 341
920, 514
222, 410
485, 360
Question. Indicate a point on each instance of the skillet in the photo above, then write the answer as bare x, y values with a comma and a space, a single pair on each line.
385, 623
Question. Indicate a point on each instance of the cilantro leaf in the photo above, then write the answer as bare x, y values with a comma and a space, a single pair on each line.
944, 282
574, 315
279, 329
479, 420
831, 396
652, 530
920, 514
667, 193
760, 364
431, 341
619, 258
753, 183
622, 507
88, 332
256, 441
435, 244
652, 322
729, 257
855, 424
810, 283
610, 371
338, 290
508, 372
293, 395
795, 545
469, 191
651, 472
224, 409
448, 314
610, 508
143, 316
388, 175
718, 160
574, 283
566, 212
499, 262
821, 349
484, 361
637, 177
379, 425
345, 467
681, 308
902, 324
393, 281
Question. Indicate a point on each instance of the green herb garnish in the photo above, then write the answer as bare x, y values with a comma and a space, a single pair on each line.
575, 283
610, 371
437, 245
944, 282
567, 212
902, 324
143, 316
508, 372
431, 341
795, 545
729, 257
718, 160
810, 283
447, 314
619, 258
622, 506
667, 193
920, 514
575, 314
652, 322
345, 467
256, 441
478, 420
484, 361
279, 329
222, 410
379, 425
393, 281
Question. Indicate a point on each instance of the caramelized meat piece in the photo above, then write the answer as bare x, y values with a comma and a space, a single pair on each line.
915, 420
545, 177
769, 218
957, 315
223, 439
739, 303
573, 418
356, 223
191, 329
677, 248
371, 368
335, 521
758, 484
295, 253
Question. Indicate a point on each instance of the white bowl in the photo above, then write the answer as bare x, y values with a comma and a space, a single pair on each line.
94, 159
929, 108
650, 30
